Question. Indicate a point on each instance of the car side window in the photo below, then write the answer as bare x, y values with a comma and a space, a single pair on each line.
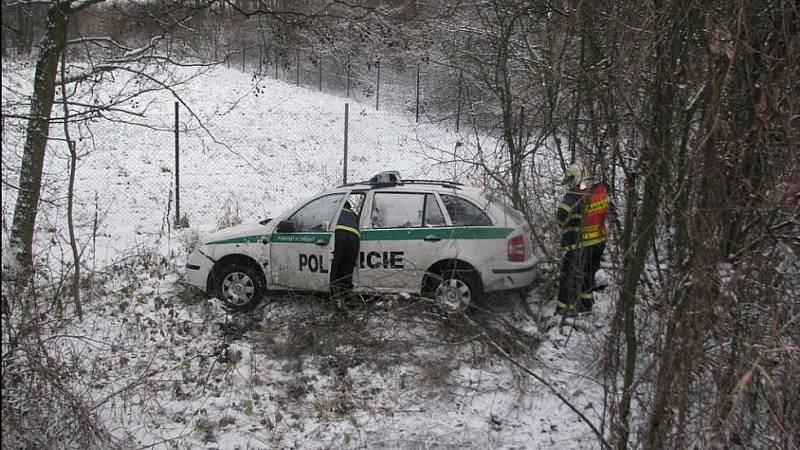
314, 216
464, 213
433, 212
356, 200
397, 210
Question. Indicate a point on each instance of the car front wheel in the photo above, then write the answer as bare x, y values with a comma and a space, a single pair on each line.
240, 287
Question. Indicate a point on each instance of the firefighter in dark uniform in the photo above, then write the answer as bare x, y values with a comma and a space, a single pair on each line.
569, 216
582, 216
345, 251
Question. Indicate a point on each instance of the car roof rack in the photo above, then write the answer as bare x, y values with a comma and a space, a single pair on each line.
444, 183
377, 182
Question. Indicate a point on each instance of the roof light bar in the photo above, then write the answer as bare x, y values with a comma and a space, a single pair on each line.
387, 177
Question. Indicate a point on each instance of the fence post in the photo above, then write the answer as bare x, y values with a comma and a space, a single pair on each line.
417, 92
277, 55
244, 55
297, 66
378, 85
344, 161
458, 108
348, 76
319, 64
177, 170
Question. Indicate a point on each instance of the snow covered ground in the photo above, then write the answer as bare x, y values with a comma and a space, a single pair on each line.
167, 368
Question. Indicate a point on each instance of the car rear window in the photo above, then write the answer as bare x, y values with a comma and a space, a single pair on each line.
504, 204
464, 213
515, 214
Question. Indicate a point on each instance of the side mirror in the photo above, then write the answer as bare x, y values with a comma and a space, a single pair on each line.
285, 227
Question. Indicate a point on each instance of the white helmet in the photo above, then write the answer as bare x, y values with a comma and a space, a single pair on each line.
574, 175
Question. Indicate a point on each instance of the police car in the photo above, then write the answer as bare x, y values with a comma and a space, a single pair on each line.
440, 239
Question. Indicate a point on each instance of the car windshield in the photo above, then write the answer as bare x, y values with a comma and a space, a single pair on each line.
316, 215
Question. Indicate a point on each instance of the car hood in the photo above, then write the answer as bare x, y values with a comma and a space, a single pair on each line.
255, 230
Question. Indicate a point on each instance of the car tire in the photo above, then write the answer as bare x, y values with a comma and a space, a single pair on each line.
240, 287
456, 289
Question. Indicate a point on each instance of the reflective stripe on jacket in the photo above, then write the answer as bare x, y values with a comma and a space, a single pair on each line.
582, 216
594, 221
570, 216
348, 221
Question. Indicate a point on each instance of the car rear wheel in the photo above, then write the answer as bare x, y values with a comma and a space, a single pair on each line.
240, 287
455, 289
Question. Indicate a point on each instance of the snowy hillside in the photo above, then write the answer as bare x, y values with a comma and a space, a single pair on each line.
165, 368
253, 145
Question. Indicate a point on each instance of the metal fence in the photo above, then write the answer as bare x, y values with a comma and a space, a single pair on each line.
421, 124
431, 91
135, 184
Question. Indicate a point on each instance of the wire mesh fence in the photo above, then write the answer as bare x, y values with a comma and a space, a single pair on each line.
431, 91
250, 146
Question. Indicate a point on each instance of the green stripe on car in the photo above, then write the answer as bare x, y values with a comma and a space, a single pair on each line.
380, 235
443, 233
238, 240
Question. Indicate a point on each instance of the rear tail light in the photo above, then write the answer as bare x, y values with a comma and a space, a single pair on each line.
516, 249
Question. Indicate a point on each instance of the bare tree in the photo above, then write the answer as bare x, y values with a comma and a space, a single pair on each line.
687, 109
494, 52
50, 49
105, 55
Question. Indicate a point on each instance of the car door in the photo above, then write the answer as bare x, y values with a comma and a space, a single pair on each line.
301, 247
479, 242
403, 234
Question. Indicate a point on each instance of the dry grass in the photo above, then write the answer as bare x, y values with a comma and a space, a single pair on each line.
231, 214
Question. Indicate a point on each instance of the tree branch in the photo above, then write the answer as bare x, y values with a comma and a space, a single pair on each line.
544, 382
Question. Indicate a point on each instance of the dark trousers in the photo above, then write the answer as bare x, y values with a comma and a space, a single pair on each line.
592, 257
568, 281
576, 281
345, 253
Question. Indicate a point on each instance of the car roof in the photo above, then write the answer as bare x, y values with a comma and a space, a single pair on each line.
445, 187
390, 180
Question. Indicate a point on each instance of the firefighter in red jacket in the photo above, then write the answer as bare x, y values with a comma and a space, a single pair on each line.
581, 215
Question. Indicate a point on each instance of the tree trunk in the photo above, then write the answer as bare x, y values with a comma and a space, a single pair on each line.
656, 161
73, 163
506, 97
51, 47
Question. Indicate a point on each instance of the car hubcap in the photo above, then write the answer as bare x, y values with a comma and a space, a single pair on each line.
238, 288
454, 293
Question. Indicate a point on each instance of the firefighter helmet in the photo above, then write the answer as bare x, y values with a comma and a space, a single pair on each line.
574, 175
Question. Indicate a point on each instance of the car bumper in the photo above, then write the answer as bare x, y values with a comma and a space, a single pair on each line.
516, 276
198, 267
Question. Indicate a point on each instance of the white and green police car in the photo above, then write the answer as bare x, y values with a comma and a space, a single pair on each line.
436, 238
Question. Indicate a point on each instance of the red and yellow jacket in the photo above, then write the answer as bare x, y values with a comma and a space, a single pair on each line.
582, 216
